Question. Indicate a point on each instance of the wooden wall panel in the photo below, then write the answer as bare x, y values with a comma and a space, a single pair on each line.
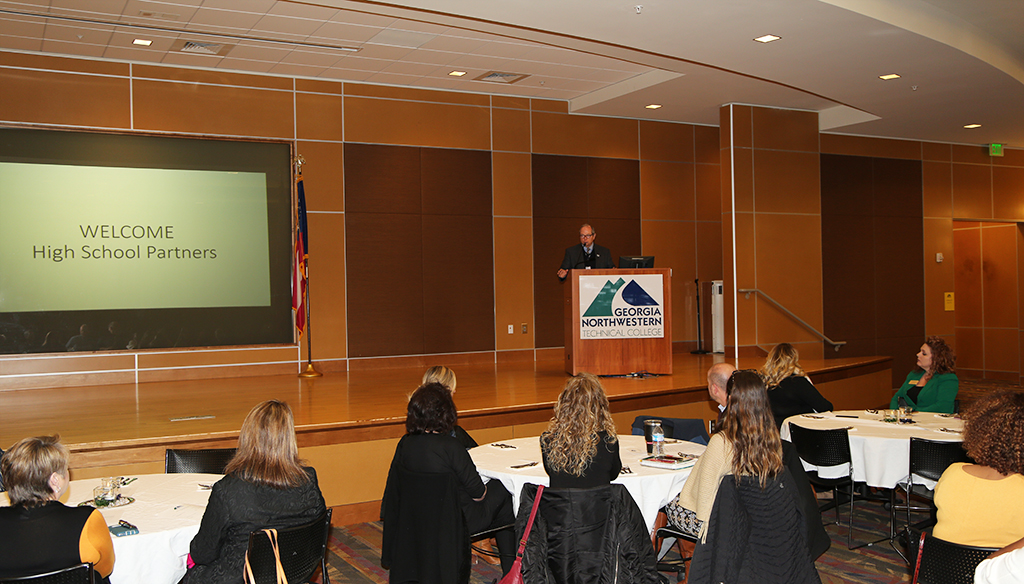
868, 146
667, 191
550, 238
783, 129
613, 189
512, 184
1008, 193
559, 186
327, 297
972, 191
513, 282
455, 182
938, 277
667, 141
585, 136
786, 182
45, 97
382, 179
384, 259
673, 243
210, 109
323, 175
458, 284
318, 116
440, 125
510, 130
937, 189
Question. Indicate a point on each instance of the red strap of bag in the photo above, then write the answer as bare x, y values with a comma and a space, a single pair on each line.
515, 575
917, 566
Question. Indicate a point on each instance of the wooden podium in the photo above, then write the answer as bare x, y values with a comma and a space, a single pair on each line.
618, 350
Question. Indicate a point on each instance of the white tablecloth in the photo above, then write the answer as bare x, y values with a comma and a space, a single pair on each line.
880, 450
651, 488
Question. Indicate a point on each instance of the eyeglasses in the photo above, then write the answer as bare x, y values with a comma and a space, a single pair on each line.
587, 235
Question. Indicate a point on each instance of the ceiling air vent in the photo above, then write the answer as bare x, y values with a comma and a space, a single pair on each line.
198, 48
499, 77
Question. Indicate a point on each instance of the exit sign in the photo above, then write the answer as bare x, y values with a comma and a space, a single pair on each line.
995, 149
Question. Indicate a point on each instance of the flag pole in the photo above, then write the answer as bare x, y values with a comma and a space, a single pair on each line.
310, 370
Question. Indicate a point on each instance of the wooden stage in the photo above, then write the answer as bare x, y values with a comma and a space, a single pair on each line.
356, 416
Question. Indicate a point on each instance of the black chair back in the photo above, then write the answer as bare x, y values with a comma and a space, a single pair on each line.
821, 447
930, 458
80, 574
943, 562
210, 461
691, 429
303, 549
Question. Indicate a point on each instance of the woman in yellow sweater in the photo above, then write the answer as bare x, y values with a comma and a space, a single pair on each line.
38, 533
980, 504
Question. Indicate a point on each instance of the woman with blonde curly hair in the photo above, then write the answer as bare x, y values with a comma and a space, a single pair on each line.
580, 447
747, 443
979, 504
789, 390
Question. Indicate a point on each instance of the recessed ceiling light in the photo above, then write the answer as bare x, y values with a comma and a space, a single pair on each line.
142, 42
457, 73
767, 38
889, 76
653, 106
972, 126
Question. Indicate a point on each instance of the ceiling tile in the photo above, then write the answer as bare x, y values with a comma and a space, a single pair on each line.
453, 44
345, 75
78, 49
105, 9
477, 62
189, 60
287, 25
311, 58
503, 50
94, 35
136, 55
303, 11
364, 18
249, 66
416, 26
225, 18
371, 51
177, 13
264, 52
21, 26
260, 6
362, 64
344, 33
393, 79
296, 70
403, 68
123, 39
429, 57
20, 43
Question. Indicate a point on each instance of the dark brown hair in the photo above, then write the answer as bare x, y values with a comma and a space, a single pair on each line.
267, 452
749, 426
431, 409
994, 431
943, 359
27, 468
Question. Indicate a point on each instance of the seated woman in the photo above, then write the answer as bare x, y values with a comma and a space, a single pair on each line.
580, 448
428, 447
933, 386
446, 377
38, 533
789, 390
746, 443
265, 485
980, 504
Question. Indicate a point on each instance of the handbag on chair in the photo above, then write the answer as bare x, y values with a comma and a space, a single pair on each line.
515, 574
247, 575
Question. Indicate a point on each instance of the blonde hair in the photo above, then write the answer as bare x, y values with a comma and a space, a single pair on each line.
28, 466
783, 361
570, 442
440, 374
267, 451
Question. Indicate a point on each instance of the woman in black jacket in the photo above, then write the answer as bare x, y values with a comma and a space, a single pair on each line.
265, 486
789, 390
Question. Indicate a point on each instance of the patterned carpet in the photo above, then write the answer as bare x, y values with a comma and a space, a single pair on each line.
354, 553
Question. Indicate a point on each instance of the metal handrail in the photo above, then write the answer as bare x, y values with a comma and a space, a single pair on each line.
835, 344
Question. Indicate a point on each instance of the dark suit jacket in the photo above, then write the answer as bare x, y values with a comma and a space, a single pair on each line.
575, 258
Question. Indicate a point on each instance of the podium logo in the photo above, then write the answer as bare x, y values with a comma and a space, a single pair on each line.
629, 307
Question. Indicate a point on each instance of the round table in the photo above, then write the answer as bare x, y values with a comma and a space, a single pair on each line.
880, 451
651, 488
167, 510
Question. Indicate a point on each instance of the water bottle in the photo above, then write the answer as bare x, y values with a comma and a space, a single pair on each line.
658, 438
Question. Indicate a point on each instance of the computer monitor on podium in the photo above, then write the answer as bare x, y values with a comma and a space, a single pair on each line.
636, 261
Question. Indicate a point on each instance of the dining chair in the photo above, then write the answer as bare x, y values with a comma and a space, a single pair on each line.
210, 460
79, 574
928, 460
302, 549
828, 448
943, 562
690, 429
676, 566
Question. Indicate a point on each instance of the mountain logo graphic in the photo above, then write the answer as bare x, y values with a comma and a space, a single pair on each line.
632, 295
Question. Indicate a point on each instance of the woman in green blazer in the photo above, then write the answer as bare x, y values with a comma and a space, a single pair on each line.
932, 387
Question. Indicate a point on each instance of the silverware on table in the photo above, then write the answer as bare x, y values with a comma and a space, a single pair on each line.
524, 465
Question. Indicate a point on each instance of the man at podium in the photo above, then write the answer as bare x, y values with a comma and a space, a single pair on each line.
585, 255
